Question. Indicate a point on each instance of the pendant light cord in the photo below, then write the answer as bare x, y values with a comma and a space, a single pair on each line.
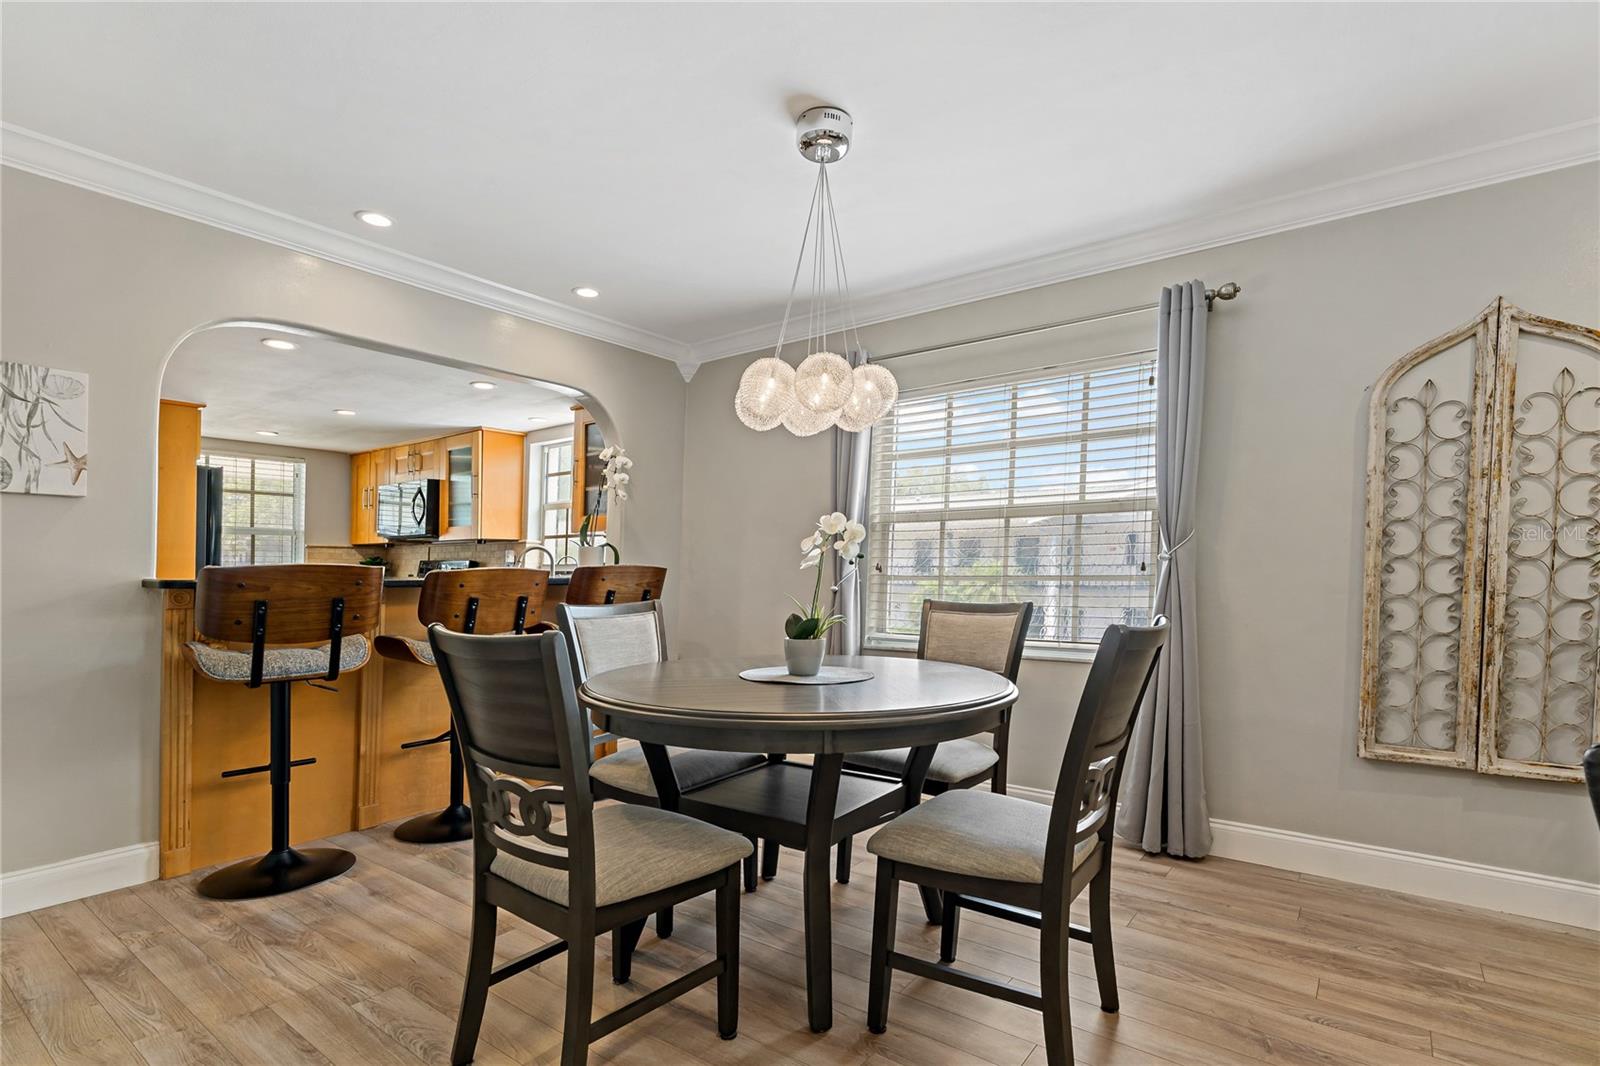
811, 213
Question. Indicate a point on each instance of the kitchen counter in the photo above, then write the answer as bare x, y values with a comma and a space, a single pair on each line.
388, 582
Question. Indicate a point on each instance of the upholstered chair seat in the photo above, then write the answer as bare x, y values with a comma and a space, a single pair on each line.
277, 664
979, 834
954, 761
637, 851
627, 771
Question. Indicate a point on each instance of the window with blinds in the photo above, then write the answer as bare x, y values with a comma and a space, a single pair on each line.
263, 509
1039, 487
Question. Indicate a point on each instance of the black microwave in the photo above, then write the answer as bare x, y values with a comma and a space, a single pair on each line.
409, 510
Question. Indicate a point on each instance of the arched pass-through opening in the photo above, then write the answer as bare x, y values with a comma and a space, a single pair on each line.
301, 445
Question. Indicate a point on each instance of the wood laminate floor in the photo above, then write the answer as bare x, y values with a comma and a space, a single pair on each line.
1218, 962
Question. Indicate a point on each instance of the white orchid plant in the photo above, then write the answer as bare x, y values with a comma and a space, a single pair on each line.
845, 537
614, 478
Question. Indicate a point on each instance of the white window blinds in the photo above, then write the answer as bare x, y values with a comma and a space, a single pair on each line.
263, 509
1039, 487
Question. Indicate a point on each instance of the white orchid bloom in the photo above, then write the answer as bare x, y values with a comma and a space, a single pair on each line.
621, 479
622, 494
626, 462
607, 453
811, 559
845, 547
809, 544
832, 524
855, 532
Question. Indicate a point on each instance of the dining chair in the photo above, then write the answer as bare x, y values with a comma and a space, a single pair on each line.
515, 711
990, 636
609, 637
1021, 861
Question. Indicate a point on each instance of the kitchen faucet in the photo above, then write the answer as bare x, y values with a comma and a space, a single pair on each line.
522, 560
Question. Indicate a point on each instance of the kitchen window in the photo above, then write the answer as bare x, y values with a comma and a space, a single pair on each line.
263, 508
553, 489
1038, 487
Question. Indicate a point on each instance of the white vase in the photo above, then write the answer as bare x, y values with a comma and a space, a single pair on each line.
591, 555
804, 657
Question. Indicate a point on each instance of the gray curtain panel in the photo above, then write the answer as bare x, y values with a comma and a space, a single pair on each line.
851, 454
1164, 796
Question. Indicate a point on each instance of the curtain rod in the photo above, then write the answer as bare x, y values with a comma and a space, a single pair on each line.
1228, 291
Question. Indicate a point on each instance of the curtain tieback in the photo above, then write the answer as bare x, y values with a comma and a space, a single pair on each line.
1170, 552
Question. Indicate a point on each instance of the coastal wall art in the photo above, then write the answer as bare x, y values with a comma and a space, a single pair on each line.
44, 419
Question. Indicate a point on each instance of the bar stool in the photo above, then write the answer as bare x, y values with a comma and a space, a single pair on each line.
591, 585
305, 622
485, 601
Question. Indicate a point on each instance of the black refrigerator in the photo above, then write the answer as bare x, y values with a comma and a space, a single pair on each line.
207, 517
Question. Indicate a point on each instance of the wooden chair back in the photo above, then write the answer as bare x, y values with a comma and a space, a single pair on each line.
490, 599
615, 584
289, 604
990, 636
1086, 790
515, 711
605, 637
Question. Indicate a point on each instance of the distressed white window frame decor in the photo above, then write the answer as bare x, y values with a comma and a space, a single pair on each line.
1481, 619
1062, 449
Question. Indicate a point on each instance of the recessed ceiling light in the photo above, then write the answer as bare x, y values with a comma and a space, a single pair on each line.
279, 344
375, 218
266, 433
586, 292
483, 384
343, 411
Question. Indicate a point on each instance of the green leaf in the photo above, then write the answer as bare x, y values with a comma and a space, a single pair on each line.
798, 628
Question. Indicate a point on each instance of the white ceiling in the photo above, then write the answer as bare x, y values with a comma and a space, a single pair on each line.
247, 388
648, 149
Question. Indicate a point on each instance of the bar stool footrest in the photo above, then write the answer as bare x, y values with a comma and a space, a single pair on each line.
275, 873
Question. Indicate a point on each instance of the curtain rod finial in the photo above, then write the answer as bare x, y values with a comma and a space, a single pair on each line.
1228, 291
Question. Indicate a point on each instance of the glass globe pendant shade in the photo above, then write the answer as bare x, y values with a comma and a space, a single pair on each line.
802, 421
823, 382
766, 393
873, 393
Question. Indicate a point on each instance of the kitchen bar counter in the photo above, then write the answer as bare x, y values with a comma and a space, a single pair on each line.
354, 728
388, 582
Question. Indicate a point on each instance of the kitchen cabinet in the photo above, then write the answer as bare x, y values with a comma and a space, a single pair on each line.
587, 473
412, 462
485, 486
366, 474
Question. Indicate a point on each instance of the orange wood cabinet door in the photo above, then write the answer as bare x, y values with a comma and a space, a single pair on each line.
458, 500
502, 486
177, 454
364, 480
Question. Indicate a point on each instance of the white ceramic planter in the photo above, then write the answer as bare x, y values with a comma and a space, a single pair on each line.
804, 657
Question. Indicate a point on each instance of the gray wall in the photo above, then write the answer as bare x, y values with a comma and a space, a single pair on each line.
100, 285
327, 485
1325, 309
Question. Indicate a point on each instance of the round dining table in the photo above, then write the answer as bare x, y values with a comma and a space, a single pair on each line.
704, 703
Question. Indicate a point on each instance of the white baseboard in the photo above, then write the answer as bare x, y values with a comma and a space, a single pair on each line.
1531, 895
87, 875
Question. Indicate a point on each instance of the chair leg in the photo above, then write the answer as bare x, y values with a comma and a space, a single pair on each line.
841, 866
480, 960
1053, 993
624, 938
1105, 967
932, 907
728, 954
664, 923
884, 910
950, 927
580, 996
749, 866
769, 859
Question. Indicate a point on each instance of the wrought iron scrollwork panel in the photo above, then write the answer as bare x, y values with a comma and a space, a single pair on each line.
1542, 652
1424, 545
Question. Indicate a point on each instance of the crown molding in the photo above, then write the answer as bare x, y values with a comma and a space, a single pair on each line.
69, 163
1535, 153
1519, 157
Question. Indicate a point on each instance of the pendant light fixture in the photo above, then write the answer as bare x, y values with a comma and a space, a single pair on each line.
824, 390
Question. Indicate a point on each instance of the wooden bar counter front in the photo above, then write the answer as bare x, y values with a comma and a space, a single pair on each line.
353, 728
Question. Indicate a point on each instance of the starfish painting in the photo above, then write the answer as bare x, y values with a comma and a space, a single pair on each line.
79, 464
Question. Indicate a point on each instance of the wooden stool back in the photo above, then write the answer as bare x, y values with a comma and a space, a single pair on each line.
615, 584
299, 600
490, 599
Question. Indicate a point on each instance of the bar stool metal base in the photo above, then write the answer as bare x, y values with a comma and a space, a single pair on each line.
442, 827
276, 872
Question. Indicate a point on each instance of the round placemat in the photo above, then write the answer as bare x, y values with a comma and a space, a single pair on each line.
828, 675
